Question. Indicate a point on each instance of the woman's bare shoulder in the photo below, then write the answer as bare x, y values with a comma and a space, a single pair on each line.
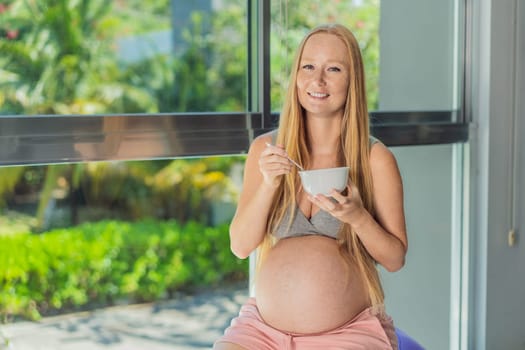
382, 159
260, 141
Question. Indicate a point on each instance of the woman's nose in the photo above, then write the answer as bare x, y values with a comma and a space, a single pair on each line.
320, 78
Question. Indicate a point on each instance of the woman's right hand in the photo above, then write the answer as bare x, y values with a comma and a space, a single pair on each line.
273, 163
264, 167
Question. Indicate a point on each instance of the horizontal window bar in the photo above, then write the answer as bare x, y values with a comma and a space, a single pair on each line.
59, 139
404, 117
421, 134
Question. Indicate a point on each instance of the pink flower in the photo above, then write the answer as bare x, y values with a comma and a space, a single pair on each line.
12, 34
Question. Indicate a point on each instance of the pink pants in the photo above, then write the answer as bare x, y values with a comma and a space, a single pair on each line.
365, 331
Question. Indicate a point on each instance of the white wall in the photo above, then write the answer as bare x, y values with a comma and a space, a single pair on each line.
418, 72
418, 296
498, 297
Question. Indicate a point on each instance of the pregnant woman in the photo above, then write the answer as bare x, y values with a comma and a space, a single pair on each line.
317, 284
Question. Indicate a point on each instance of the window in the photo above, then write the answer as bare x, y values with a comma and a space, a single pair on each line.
141, 84
124, 88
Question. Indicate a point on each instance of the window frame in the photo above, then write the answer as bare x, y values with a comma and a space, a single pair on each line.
47, 139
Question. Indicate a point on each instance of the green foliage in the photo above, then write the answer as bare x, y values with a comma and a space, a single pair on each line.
209, 75
182, 188
9, 176
141, 16
60, 60
60, 57
186, 189
192, 88
96, 264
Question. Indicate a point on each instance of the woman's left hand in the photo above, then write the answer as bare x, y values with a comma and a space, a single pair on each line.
347, 208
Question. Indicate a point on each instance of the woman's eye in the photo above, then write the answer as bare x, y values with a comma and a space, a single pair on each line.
308, 67
334, 69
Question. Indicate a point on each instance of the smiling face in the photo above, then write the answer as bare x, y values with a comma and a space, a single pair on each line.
323, 76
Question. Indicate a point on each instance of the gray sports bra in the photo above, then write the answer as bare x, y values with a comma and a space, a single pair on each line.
322, 223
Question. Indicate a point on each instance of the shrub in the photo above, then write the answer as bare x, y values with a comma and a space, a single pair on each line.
96, 264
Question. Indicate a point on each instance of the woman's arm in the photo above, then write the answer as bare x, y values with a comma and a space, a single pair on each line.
389, 212
263, 168
384, 235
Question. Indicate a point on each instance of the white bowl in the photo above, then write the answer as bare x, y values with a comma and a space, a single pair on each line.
322, 181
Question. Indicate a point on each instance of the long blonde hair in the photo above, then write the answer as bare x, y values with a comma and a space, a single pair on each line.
355, 148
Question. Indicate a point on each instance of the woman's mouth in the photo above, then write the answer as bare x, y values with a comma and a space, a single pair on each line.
318, 94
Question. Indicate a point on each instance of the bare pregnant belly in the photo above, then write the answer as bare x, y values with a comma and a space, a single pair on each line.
303, 286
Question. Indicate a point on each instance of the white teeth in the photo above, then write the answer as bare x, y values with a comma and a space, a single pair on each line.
318, 94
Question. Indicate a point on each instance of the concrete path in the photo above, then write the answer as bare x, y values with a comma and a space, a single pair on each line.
185, 323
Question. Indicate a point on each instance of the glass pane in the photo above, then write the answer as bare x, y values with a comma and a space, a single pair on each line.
99, 57
412, 51
77, 237
421, 55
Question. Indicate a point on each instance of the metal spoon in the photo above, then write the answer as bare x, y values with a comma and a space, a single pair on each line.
290, 159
